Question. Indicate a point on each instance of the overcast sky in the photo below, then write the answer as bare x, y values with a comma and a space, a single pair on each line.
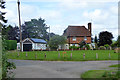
61, 13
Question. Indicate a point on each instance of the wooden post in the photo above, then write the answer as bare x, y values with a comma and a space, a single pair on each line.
109, 56
49, 49
84, 56
18, 54
45, 55
58, 55
35, 56
72, 49
96, 55
71, 56
26, 54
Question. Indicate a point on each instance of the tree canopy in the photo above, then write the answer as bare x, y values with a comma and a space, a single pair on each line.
95, 39
36, 28
10, 32
57, 40
105, 37
118, 41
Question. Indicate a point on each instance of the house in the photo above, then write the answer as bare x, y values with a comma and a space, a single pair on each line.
76, 34
30, 44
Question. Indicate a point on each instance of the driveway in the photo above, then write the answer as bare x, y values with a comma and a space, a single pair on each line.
57, 69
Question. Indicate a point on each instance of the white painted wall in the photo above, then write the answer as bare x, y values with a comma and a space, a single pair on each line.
65, 46
18, 46
38, 46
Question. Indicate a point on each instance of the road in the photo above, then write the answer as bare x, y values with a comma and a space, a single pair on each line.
57, 69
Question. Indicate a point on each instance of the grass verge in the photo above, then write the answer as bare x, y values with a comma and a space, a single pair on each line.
116, 65
90, 55
102, 74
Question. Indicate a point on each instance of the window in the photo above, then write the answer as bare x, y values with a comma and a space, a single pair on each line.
85, 38
74, 39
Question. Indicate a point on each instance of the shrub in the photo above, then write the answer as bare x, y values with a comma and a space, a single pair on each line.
82, 43
117, 50
11, 44
114, 45
102, 48
107, 46
74, 47
96, 46
87, 46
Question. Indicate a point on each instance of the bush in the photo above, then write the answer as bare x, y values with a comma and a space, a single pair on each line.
11, 44
114, 45
74, 47
87, 46
117, 50
102, 48
96, 46
107, 46
82, 43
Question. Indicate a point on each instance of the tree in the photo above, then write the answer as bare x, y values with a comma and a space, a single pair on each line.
95, 39
57, 40
105, 37
10, 32
6, 65
36, 28
118, 41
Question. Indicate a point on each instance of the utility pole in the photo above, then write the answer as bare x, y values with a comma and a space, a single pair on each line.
49, 33
49, 37
20, 25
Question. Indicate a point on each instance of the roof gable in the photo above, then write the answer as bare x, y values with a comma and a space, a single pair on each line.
76, 31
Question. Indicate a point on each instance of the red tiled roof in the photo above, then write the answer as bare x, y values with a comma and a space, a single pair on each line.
76, 31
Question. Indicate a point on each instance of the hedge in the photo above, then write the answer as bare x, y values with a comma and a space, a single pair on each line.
11, 44
74, 47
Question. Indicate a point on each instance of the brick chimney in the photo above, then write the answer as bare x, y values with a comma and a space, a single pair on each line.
90, 27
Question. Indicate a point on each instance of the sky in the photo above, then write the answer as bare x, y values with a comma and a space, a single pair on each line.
58, 14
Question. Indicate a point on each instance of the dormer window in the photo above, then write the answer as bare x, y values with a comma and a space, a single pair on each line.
74, 39
85, 38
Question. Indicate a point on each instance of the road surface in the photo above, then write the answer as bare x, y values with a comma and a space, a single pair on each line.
57, 69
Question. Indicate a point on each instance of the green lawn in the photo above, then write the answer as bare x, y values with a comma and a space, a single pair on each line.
116, 65
102, 74
53, 55
93, 74
0, 70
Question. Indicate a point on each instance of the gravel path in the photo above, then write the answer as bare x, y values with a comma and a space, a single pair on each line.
57, 69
